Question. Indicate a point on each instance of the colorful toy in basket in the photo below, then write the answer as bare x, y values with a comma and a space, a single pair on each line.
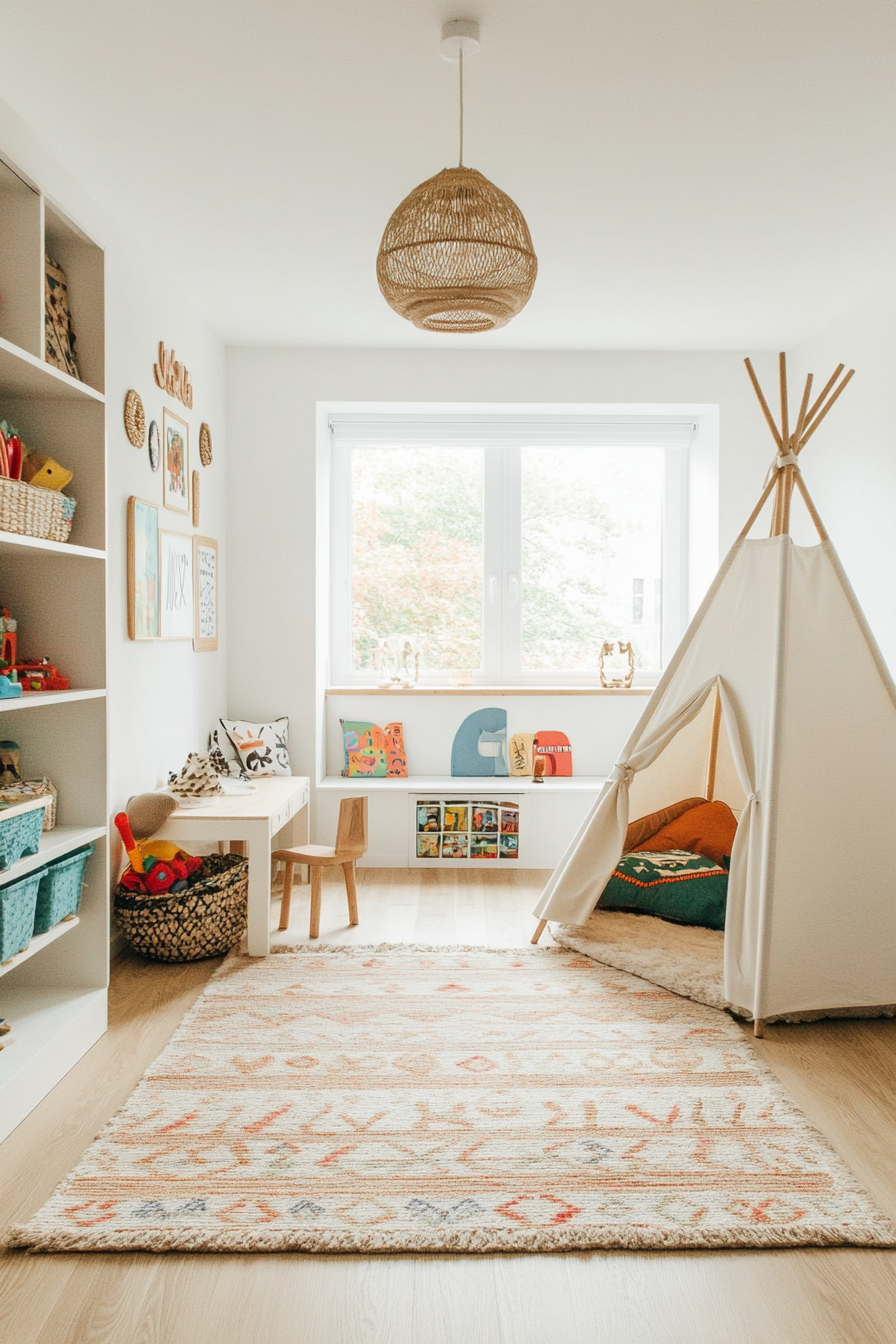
11, 452
149, 872
39, 469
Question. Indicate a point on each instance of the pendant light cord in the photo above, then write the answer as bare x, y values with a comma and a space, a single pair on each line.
460, 65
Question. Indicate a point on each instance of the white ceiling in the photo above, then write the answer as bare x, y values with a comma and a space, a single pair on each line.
695, 173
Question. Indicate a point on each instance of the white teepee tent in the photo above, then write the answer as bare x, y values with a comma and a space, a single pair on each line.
781, 658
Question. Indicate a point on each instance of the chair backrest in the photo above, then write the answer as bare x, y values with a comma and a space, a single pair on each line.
351, 833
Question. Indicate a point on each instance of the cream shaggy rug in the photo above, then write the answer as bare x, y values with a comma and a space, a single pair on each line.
411, 1099
680, 957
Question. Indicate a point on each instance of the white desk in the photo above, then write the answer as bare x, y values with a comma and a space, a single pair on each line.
254, 818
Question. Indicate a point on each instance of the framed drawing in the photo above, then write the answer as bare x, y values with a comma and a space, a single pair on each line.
205, 594
175, 585
143, 569
176, 462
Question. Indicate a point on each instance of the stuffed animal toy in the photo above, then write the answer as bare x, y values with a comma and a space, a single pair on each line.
38, 469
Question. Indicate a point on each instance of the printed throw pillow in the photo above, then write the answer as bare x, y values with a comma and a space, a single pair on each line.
373, 752
262, 747
683, 887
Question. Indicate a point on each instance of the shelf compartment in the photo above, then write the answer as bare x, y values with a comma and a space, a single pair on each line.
21, 263
82, 262
25, 375
52, 1028
37, 944
54, 844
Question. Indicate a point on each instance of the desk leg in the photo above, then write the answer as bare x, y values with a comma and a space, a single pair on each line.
259, 891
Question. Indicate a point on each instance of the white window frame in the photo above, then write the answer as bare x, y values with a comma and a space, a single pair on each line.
501, 431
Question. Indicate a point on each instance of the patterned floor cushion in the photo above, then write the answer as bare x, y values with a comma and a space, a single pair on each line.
676, 884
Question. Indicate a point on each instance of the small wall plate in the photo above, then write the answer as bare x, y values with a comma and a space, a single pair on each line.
155, 445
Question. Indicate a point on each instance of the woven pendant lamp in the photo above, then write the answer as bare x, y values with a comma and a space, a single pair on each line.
456, 254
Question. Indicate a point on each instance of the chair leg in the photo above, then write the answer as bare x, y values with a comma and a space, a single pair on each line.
314, 927
351, 891
286, 898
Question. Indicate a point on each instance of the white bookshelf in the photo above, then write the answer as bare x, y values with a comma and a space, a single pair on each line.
55, 992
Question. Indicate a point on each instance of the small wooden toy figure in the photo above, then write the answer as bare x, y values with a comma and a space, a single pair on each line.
617, 669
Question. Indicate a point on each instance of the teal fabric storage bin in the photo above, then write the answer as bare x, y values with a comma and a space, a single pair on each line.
20, 834
17, 904
59, 894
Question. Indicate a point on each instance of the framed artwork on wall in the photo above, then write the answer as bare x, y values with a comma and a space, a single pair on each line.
175, 585
143, 569
205, 594
175, 462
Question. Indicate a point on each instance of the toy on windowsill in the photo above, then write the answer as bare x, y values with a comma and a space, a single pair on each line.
10, 686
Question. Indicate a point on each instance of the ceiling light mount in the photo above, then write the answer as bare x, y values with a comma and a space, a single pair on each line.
456, 254
460, 37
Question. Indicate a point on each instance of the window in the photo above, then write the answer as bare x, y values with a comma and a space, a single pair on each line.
509, 547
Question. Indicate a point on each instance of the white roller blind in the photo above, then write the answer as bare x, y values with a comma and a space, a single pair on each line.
437, 431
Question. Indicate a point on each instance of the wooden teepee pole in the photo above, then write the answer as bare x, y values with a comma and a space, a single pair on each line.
807, 433
785, 475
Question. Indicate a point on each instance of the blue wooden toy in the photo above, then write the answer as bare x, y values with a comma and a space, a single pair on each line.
480, 744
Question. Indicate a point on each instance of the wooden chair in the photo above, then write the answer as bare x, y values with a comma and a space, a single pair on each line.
351, 843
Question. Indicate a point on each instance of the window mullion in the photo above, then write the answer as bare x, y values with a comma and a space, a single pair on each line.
492, 566
512, 585
340, 563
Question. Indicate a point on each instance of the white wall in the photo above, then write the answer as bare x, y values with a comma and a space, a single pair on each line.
849, 465
271, 413
163, 697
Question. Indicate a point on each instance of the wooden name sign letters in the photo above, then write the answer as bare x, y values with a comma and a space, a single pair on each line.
173, 377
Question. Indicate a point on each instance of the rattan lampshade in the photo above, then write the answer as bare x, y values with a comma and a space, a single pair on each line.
456, 255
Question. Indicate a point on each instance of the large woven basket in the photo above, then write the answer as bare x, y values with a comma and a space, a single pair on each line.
206, 920
32, 511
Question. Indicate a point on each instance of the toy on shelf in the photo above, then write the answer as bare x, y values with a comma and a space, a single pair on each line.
8, 629
480, 744
10, 686
39, 674
554, 749
39, 469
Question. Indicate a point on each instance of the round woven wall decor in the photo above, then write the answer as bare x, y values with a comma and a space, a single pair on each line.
134, 419
457, 255
205, 445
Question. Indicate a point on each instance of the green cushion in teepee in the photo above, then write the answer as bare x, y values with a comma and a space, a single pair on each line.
676, 884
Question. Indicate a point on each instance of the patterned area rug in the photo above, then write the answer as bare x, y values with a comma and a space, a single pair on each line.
405, 1099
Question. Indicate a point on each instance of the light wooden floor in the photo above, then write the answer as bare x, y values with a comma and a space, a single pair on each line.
843, 1074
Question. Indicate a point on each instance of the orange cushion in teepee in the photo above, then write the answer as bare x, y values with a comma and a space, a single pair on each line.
707, 829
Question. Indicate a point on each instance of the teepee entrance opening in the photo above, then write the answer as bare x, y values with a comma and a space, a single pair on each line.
752, 708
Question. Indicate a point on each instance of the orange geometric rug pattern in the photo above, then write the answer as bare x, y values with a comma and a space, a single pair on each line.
405, 1099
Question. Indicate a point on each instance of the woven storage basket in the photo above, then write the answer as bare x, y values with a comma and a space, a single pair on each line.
20, 834
203, 921
17, 902
33, 511
59, 893
31, 788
